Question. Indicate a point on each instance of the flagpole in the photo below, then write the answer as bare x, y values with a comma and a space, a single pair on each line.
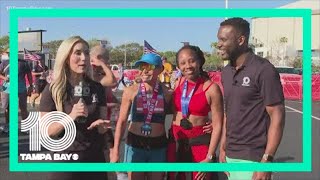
226, 6
125, 54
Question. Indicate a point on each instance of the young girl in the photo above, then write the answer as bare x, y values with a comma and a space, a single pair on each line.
195, 95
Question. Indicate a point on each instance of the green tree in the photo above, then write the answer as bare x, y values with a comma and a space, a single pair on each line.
52, 47
4, 43
213, 62
297, 62
94, 42
214, 45
126, 53
315, 68
170, 55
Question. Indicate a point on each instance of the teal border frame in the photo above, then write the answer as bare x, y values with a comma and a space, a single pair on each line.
15, 14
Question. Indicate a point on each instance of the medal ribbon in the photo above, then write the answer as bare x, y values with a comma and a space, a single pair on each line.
149, 111
185, 100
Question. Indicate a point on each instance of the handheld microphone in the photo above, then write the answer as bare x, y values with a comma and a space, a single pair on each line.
81, 91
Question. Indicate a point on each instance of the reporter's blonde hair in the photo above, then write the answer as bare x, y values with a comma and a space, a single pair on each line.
61, 70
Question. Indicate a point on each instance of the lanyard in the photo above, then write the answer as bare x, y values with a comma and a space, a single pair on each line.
149, 111
185, 100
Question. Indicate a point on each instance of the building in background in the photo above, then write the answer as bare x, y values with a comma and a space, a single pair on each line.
281, 39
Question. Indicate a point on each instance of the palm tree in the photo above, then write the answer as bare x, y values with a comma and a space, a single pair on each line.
214, 45
283, 41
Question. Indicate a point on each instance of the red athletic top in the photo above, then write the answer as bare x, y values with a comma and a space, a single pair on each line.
198, 104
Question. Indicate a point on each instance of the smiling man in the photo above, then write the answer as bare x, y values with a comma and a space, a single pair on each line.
254, 102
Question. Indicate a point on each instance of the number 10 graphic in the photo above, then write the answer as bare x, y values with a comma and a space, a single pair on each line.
38, 131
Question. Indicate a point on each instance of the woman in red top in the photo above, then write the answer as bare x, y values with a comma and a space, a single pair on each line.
195, 95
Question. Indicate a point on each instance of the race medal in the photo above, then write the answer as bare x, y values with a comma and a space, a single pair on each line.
146, 129
185, 124
148, 109
185, 101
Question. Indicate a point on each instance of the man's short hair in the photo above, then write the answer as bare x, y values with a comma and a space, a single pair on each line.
240, 24
101, 51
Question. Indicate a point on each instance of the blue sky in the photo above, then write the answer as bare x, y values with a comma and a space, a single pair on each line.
163, 33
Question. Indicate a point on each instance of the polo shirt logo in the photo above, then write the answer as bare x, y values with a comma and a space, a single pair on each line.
94, 98
246, 81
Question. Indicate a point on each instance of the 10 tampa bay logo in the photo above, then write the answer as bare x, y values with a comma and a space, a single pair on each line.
37, 127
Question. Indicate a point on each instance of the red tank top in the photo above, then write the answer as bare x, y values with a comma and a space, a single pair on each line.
198, 104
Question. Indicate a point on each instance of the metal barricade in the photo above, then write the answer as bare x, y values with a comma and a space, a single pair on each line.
316, 87
292, 86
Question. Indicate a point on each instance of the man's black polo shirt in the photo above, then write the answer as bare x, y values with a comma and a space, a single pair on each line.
247, 92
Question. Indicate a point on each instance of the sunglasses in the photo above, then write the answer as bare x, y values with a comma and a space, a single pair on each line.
147, 67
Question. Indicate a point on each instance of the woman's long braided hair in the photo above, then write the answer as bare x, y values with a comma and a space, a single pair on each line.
199, 56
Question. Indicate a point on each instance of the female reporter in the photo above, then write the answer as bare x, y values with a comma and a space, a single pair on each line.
87, 110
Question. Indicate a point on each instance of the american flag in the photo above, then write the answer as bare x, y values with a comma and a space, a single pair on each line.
31, 56
149, 49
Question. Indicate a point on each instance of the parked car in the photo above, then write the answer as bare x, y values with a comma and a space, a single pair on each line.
288, 70
299, 70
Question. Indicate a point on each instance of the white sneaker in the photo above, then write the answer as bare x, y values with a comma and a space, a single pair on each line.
122, 176
4, 129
